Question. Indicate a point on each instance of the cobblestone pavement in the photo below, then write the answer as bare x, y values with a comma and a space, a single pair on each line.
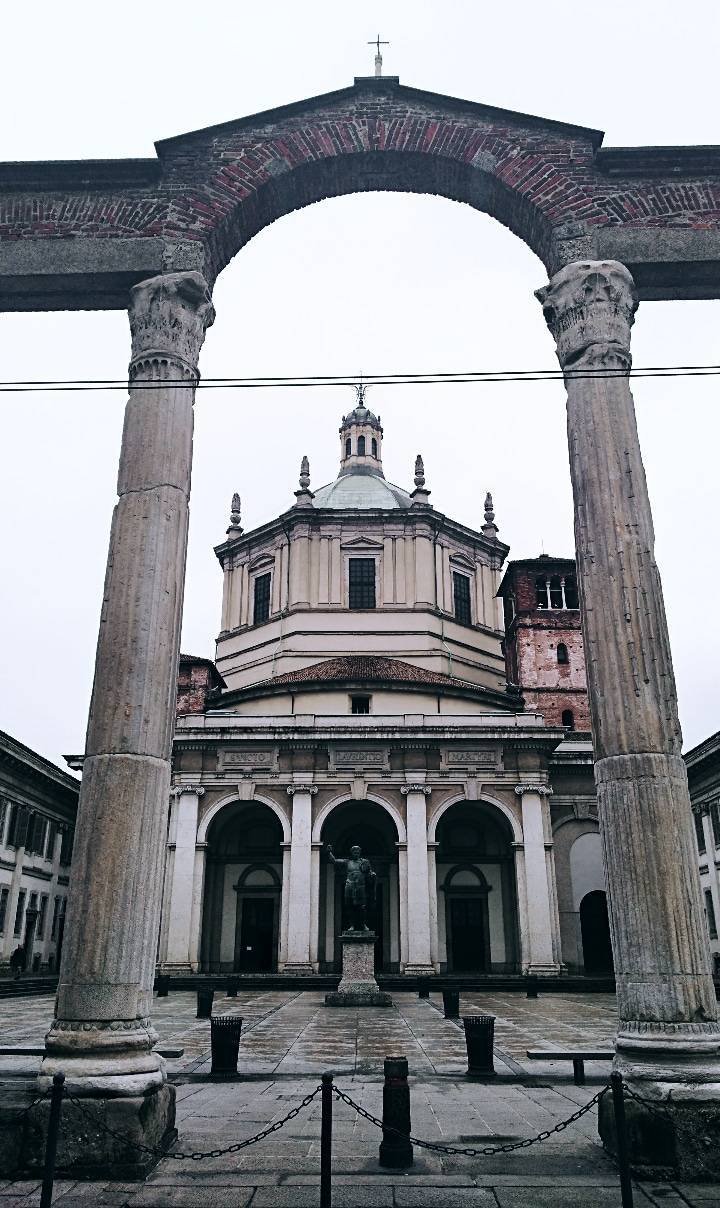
288, 1039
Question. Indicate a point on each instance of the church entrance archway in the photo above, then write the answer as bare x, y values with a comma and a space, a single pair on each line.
368, 825
243, 886
595, 930
477, 907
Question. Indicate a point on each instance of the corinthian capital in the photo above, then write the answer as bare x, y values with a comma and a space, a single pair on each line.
590, 307
168, 318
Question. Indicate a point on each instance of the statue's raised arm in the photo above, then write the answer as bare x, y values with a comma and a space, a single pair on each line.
333, 858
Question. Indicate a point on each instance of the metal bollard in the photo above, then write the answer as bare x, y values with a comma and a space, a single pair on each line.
204, 1002
395, 1148
232, 987
224, 1044
326, 1102
531, 986
423, 989
479, 1033
56, 1097
163, 985
451, 1003
626, 1192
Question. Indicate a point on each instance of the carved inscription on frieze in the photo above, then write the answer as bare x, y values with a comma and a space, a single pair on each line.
234, 760
470, 757
358, 757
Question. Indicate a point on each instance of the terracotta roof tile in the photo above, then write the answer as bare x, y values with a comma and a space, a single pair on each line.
370, 667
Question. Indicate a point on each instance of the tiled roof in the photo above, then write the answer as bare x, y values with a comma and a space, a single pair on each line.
370, 667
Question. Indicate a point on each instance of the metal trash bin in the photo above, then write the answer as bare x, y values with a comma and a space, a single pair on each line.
423, 989
205, 997
479, 1035
163, 986
451, 1003
224, 1044
531, 986
233, 984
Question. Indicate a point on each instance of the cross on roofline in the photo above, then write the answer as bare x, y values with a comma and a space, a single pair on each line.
376, 42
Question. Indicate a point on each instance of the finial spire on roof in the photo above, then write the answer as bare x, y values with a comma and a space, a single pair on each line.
304, 497
489, 528
420, 496
234, 529
378, 54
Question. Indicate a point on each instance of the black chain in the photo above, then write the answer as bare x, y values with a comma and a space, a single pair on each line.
197, 1156
26, 1110
489, 1150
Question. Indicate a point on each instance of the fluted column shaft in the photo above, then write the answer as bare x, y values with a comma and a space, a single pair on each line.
105, 990
666, 1000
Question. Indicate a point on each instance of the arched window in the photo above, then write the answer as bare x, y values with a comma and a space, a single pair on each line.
361, 446
374, 447
348, 447
562, 653
568, 719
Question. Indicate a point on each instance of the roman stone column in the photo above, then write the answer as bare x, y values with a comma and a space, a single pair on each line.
418, 893
102, 1036
541, 957
668, 1031
182, 878
301, 884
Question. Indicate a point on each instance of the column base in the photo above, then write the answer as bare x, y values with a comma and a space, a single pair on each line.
85, 1150
419, 971
678, 1136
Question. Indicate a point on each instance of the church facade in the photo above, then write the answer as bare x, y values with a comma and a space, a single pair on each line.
384, 677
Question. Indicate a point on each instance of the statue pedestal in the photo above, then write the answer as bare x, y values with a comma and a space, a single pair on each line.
358, 987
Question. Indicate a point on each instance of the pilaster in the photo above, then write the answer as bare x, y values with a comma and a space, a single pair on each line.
418, 894
186, 800
540, 913
301, 908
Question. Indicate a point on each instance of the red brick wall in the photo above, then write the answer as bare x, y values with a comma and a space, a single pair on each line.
544, 180
194, 684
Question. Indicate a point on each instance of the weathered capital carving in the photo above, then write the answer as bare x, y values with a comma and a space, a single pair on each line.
542, 790
178, 790
590, 307
168, 318
302, 788
416, 788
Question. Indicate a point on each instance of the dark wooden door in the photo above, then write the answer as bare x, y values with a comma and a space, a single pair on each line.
256, 935
595, 927
467, 937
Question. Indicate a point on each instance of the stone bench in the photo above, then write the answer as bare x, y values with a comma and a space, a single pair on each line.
577, 1056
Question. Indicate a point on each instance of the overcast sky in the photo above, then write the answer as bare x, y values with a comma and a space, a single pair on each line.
379, 282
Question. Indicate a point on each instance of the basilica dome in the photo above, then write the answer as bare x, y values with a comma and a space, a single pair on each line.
361, 488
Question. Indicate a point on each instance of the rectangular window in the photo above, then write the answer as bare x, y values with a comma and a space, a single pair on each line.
715, 820
55, 917
361, 583
42, 913
19, 912
4, 895
50, 841
66, 847
710, 912
261, 610
700, 833
359, 704
461, 596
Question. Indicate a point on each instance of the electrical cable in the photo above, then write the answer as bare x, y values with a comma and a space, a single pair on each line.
469, 377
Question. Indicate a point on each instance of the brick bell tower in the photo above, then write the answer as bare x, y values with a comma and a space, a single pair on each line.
543, 639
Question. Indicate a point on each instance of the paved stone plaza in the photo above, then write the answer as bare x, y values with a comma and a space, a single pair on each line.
290, 1038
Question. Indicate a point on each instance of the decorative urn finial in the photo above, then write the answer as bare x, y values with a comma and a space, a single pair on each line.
234, 530
489, 528
420, 496
304, 497
419, 472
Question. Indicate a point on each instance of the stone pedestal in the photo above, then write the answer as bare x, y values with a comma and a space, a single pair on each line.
358, 987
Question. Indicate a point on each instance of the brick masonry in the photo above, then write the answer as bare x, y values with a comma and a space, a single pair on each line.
549, 182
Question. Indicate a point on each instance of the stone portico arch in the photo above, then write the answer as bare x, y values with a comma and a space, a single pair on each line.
152, 235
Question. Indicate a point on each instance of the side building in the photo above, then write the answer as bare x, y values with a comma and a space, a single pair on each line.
360, 694
703, 767
38, 806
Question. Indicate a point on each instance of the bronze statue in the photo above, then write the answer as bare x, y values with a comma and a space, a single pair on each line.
359, 896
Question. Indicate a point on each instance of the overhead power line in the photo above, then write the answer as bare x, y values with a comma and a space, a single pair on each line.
489, 376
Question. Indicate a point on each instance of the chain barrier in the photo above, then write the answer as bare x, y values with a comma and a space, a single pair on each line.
489, 1150
26, 1110
196, 1156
